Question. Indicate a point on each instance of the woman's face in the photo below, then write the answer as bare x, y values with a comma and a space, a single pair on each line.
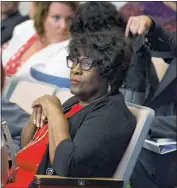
57, 22
87, 85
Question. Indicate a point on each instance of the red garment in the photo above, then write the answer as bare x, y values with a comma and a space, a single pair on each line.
14, 62
30, 157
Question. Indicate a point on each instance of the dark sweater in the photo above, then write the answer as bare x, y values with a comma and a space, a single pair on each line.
8, 25
100, 134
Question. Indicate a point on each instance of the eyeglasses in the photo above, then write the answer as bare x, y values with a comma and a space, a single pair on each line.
85, 63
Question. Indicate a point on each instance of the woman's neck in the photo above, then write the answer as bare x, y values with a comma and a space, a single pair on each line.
92, 100
45, 41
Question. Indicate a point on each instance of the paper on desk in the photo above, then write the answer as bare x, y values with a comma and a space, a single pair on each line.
161, 146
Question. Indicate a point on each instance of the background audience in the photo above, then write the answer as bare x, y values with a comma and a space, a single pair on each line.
10, 17
51, 21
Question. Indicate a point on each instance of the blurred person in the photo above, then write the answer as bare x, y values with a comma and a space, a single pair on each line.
10, 17
15, 116
46, 45
152, 169
27, 26
65, 143
163, 12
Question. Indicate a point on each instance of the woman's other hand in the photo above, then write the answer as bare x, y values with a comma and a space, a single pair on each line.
43, 107
138, 25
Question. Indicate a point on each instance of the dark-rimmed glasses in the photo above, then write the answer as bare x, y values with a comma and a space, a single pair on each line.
85, 63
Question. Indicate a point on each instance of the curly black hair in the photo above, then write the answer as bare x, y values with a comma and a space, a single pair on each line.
96, 16
110, 50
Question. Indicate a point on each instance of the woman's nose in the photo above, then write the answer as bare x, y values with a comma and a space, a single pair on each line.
63, 24
77, 69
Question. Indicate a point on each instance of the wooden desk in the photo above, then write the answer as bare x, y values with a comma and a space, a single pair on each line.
45, 181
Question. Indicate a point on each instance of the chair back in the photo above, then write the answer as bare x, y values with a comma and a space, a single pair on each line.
132, 96
7, 142
144, 118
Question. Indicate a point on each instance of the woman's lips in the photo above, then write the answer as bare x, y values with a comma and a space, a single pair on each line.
74, 81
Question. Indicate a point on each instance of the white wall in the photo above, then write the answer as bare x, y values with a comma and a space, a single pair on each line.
119, 4
24, 6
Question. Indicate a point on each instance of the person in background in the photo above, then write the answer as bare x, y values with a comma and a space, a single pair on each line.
79, 137
152, 169
51, 22
15, 116
27, 26
163, 12
10, 17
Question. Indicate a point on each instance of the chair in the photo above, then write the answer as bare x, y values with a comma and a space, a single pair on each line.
144, 117
132, 96
7, 142
124, 170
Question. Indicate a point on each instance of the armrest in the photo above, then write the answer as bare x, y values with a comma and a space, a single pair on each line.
46, 181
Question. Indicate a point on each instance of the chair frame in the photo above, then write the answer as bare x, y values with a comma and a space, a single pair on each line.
127, 163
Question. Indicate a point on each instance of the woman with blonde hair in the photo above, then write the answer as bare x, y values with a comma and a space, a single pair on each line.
46, 45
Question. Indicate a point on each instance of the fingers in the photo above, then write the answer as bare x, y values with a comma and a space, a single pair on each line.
43, 118
34, 115
39, 116
138, 25
127, 31
134, 28
142, 29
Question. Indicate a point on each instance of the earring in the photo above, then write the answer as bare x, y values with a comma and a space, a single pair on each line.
109, 89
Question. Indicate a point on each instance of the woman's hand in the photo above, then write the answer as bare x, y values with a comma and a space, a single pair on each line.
43, 107
39, 117
138, 25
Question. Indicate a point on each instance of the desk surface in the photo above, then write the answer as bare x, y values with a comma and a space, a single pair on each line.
45, 181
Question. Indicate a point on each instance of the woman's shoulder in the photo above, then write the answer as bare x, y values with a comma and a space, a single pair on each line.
113, 105
116, 101
112, 112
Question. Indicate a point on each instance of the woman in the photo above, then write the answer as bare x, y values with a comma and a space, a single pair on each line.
89, 134
51, 21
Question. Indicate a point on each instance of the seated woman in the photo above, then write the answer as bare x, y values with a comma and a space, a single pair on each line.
44, 46
89, 134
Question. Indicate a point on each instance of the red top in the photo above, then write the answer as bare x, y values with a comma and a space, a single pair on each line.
14, 62
29, 158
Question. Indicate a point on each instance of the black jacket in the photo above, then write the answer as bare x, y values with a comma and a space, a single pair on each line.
8, 24
154, 170
141, 77
100, 133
